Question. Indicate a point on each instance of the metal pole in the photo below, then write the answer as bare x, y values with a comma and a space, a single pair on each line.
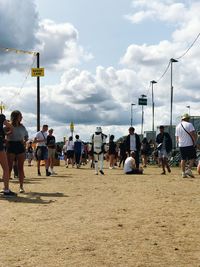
171, 103
142, 120
172, 89
131, 115
38, 94
152, 83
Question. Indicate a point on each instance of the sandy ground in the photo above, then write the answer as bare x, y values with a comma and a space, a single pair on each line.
79, 219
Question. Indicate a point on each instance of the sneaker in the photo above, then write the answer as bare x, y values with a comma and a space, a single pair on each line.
53, 173
189, 173
48, 173
21, 190
163, 173
102, 173
96, 173
110, 168
9, 193
184, 175
168, 168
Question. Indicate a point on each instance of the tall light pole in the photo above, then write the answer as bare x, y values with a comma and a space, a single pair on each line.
172, 60
188, 109
143, 103
152, 97
132, 104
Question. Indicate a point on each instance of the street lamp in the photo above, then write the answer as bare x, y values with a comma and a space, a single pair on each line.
143, 97
172, 60
132, 104
188, 109
152, 94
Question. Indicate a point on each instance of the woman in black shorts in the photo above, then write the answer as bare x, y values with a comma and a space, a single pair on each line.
16, 145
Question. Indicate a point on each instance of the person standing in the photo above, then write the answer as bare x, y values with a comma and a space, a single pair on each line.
30, 153
112, 152
16, 146
133, 144
164, 146
70, 152
98, 142
186, 139
3, 158
145, 151
41, 150
51, 145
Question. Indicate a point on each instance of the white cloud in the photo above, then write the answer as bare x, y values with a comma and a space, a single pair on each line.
103, 96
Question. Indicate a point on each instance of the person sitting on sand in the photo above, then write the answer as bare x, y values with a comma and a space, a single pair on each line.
130, 165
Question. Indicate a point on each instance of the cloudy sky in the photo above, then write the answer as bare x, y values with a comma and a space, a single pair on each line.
99, 57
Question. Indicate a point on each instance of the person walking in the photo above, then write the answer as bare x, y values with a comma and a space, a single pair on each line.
78, 147
41, 150
133, 144
164, 146
186, 139
16, 142
3, 158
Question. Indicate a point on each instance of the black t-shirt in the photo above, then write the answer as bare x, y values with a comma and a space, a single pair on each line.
2, 119
51, 141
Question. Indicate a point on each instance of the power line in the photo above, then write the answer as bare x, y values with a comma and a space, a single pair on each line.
189, 47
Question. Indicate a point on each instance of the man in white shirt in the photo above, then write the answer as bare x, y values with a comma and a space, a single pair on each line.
130, 165
133, 144
186, 138
41, 151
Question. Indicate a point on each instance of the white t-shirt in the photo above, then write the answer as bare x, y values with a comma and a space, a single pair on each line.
129, 164
132, 142
70, 145
184, 138
41, 136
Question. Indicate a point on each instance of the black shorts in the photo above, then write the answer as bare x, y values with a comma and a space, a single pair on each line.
188, 152
70, 154
15, 147
2, 148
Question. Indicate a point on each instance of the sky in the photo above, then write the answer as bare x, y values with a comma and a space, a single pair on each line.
99, 58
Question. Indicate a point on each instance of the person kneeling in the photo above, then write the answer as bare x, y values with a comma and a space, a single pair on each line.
130, 166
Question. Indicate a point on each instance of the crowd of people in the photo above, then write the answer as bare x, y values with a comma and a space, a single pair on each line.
130, 152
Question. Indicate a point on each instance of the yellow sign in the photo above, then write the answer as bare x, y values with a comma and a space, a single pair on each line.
37, 72
71, 126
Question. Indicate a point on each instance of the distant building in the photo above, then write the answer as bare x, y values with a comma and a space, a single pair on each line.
195, 120
150, 135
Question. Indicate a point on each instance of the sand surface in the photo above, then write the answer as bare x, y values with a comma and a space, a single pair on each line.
79, 219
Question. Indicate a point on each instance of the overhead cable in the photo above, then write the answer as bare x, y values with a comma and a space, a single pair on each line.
189, 47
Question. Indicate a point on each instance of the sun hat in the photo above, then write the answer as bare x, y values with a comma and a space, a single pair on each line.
185, 116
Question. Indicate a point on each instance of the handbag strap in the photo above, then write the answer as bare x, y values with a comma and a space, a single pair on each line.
187, 133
